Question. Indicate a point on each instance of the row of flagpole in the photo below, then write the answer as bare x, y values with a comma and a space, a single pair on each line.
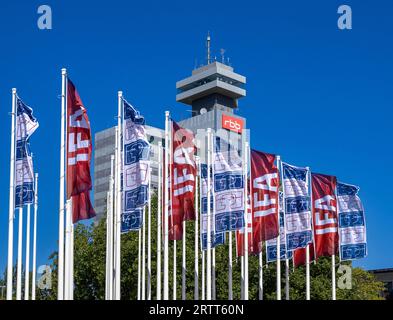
29, 292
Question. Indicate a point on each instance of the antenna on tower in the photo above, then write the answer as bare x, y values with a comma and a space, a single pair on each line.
222, 52
208, 48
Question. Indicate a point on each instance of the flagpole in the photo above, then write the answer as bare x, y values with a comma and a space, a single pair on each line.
118, 197
144, 255
278, 249
308, 249
27, 255
196, 248
11, 200
174, 271
149, 240
33, 275
166, 211
246, 152
109, 234
19, 265
139, 262
286, 279
60, 275
71, 257
230, 291
114, 213
333, 277
242, 276
203, 289
159, 221
67, 251
209, 237
214, 272
183, 275
260, 269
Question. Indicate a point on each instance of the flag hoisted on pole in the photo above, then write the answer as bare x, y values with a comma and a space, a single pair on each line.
11, 200
26, 125
159, 220
34, 271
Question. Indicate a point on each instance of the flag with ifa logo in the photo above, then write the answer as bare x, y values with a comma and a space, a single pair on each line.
325, 224
26, 124
352, 223
135, 168
183, 180
264, 191
297, 206
79, 151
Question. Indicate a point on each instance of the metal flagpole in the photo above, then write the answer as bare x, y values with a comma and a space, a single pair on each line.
242, 276
67, 251
183, 275
203, 289
118, 197
60, 276
159, 221
333, 277
246, 152
260, 269
144, 255
27, 255
208, 251
278, 249
19, 265
166, 209
33, 275
286, 279
230, 291
308, 249
11, 200
71, 254
174, 271
149, 240
139, 263
196, 257
109, 235
214, 273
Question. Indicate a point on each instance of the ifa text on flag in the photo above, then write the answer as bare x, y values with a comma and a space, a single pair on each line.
183, 179
264, 191
79, 149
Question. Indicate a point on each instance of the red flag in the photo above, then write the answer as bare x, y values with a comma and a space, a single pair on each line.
240, 237
79, 150
324, 210
324, 214
182, 180
299, 255
264, 192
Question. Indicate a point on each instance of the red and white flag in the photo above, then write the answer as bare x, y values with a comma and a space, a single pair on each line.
182, 180
79, 149
325, 224
264, 192
240, 237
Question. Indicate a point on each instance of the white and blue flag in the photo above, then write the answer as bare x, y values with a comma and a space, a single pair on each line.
26, 125
228, 181
297, 206
136, 166
271, 245
352, 223
217, 238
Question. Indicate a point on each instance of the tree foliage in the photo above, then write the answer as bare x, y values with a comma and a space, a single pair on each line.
89, 270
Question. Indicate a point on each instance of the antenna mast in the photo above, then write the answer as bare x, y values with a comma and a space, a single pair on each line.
208, 48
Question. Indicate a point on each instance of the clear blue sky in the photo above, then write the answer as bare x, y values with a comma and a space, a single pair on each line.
316, 95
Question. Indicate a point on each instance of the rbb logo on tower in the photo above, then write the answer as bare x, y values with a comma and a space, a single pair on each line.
232, 124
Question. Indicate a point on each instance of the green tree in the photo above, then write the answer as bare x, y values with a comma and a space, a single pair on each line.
89, 270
